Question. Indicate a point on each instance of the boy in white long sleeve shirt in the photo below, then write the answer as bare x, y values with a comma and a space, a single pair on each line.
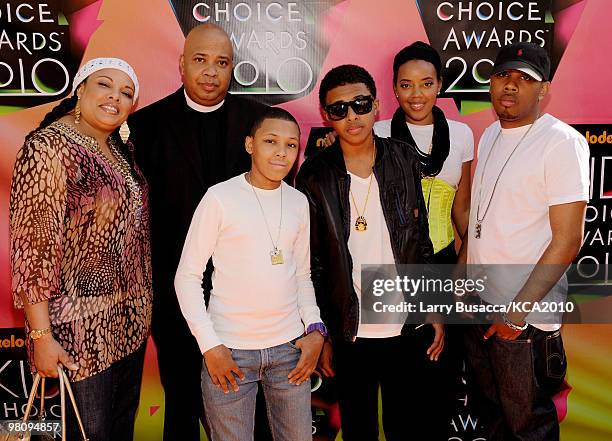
256, 228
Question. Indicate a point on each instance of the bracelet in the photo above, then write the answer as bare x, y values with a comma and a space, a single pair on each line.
35, 334
320, 327
512, 325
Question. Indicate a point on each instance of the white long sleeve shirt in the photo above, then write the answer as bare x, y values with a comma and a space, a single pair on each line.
253, 304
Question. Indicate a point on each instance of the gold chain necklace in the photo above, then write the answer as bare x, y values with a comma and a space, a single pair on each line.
123, 167
121, 164
276, 255
361, 224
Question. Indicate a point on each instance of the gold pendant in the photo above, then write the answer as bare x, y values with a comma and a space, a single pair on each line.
478, 230
361, 224
276, 256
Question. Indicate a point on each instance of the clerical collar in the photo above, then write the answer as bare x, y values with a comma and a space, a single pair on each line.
199, 107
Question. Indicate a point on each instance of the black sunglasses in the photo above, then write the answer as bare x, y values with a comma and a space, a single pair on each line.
360, 105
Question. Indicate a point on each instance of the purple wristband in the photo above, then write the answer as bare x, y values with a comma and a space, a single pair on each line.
317, 327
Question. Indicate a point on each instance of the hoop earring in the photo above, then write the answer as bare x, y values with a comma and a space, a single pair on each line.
77, 111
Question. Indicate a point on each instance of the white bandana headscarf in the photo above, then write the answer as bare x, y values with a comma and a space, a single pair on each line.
105, 63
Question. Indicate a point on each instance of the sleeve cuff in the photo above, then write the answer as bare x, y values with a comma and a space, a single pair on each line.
207, 339
568, 199
312, 318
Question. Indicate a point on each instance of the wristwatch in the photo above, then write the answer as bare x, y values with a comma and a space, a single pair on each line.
35, 334
319, 326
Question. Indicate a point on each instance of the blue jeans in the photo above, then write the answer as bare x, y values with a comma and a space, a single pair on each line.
516, 381
231, 416
108, 401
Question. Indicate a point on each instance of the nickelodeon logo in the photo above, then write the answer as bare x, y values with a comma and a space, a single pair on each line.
602, 138
12, 342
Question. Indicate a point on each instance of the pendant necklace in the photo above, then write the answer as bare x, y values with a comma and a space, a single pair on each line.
479, 219
361, 224
276, 255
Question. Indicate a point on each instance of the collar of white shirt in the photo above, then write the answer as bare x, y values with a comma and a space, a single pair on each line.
200, 108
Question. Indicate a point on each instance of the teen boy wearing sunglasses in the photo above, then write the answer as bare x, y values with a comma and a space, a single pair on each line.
366, 206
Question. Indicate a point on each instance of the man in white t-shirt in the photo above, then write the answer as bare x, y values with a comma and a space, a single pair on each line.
529, 198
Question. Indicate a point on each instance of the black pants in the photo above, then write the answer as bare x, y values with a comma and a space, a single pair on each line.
108, 401
516, 381
412, 388
446, 255
180, 363
180, 368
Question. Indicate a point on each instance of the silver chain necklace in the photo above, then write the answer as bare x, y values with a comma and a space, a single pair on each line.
276, 255
479, 220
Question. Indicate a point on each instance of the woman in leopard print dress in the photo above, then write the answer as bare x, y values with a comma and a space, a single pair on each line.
80, 250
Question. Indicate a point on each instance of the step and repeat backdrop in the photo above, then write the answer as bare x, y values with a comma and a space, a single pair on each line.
282, 49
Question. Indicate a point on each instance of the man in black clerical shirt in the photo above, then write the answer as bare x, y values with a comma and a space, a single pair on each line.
185, 143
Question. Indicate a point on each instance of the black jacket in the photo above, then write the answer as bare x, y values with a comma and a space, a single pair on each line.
168, 153
324, 180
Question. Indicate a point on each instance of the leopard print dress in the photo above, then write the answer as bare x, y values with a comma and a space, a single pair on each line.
80, 240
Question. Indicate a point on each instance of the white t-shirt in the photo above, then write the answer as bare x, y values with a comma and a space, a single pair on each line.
253, 304
372, 246
461, 145
549, 167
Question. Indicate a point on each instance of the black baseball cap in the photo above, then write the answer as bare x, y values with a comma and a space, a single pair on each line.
526, 57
